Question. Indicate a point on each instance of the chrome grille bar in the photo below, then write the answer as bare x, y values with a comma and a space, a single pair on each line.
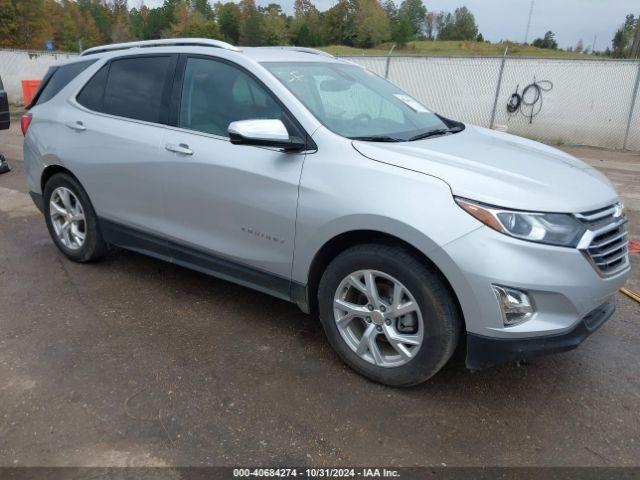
606, 239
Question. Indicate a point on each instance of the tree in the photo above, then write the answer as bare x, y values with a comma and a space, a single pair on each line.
8, 24
192, 21
371, 24
339, 23
401, 31
250, 24
461, 25
430, 26
549, 41
203, 8
275, 25
229, 21
390, 9
414, 12
625, 36
579, 47
306, 27
28, 19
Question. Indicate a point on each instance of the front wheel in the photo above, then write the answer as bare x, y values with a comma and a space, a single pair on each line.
388, 315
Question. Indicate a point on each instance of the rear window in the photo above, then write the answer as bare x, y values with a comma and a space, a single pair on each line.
131, 87
58, 78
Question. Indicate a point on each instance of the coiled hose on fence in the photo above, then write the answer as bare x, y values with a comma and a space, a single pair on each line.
529, 103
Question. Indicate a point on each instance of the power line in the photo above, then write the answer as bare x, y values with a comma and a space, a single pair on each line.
526, 35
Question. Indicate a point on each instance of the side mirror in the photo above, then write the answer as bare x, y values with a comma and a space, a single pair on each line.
263, 133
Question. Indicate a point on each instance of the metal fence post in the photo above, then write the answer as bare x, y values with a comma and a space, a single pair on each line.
632, 108
386, 67
495, 100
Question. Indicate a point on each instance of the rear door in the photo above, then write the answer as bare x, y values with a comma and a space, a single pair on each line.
4, 108
114, 145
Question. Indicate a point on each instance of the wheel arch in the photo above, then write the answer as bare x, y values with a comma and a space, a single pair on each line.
50, 171
341, 242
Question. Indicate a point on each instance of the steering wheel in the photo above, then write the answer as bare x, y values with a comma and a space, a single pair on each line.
362, 117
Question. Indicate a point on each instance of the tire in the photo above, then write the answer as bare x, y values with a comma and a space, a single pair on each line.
93, 247
436, 323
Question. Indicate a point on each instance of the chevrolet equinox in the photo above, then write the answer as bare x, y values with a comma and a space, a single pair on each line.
312, 179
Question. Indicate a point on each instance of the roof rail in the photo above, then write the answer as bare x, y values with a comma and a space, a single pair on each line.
191, 42
313, 51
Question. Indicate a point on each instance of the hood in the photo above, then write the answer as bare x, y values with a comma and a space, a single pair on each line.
501, 169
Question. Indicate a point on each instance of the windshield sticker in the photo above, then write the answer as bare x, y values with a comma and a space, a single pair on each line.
412, 103
294, 76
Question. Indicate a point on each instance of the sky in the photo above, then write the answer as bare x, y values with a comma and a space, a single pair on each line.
571, 20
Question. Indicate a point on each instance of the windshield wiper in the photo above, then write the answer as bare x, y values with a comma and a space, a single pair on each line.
433, 133
377, 138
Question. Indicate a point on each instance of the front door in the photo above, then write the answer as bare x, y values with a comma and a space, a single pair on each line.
230, 208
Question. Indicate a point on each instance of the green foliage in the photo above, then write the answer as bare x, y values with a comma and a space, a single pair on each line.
274, 25
192, 20
306, 27
251, 27
77, 24
626, 41
229, 21
461, 25
339, 22
413, 12
401, 31
549, 41
372, 25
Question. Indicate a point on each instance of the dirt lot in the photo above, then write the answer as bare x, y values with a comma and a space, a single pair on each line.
132, 361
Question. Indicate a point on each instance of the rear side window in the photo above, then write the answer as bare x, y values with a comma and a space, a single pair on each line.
132, 88
60, 78
92, 94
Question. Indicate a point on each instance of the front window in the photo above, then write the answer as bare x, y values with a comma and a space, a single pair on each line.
358, 104
214, 94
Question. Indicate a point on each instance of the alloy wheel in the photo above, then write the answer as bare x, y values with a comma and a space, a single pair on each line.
67, 218
378, 318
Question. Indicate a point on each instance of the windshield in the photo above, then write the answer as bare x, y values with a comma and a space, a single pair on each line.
358, 104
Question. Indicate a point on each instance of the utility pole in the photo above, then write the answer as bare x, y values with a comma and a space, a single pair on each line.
526, 35
593, 45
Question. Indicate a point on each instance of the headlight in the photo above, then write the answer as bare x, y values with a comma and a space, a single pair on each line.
551, 228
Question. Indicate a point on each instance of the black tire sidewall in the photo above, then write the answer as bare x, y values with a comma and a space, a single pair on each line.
439, 312
93, 246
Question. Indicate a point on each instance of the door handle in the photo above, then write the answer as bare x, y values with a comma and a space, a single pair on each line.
182, 149
77, 126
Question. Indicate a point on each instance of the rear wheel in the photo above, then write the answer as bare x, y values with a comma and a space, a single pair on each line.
71, 220
388, 315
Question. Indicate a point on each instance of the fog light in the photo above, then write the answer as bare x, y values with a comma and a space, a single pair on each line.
516, 306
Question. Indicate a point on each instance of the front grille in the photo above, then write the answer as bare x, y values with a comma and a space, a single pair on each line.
607, 239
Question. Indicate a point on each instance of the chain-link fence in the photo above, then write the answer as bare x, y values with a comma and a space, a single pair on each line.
580, 102
592, 102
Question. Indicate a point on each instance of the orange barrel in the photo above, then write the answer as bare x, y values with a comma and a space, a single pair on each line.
29, 89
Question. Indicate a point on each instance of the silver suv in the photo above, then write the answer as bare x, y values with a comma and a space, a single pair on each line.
314, 180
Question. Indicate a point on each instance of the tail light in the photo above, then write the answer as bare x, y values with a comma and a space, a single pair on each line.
25, 121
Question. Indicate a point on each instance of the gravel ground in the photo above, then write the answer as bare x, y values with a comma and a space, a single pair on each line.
132, 361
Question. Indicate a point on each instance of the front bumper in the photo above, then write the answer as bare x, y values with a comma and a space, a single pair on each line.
563, 286
483, 352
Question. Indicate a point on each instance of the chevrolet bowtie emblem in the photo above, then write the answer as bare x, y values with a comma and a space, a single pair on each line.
617, 212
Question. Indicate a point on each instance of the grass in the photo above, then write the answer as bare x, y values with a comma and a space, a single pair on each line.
454, 48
